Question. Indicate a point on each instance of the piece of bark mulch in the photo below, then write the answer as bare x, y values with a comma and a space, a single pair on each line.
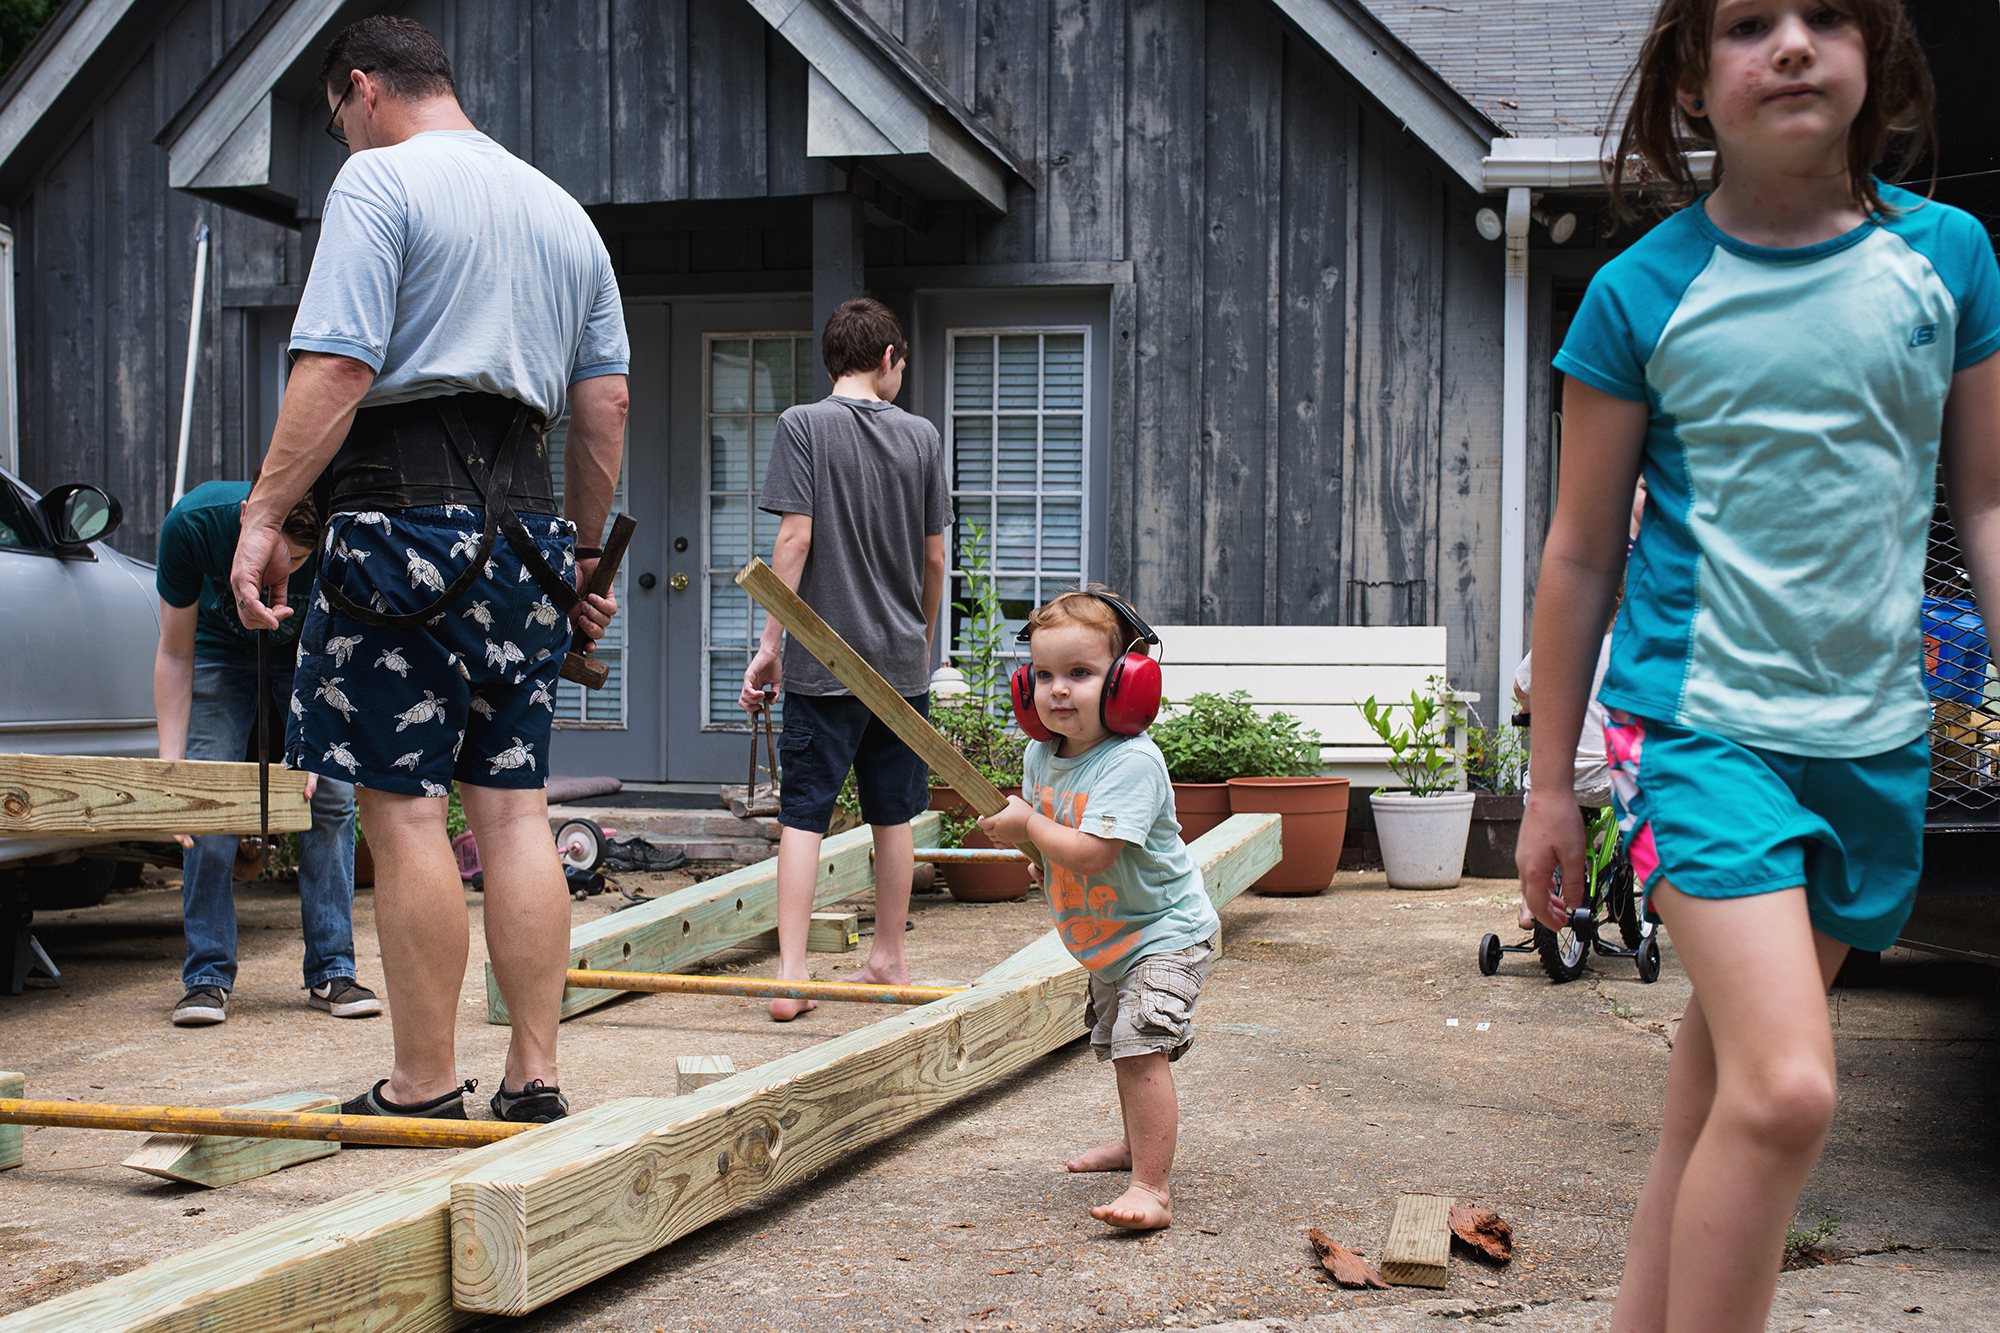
1483, 1231
1348, 1268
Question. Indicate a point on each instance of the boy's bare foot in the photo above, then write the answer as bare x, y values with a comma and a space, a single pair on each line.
1140, 1208
874, 976
1111, 1157
784, 1011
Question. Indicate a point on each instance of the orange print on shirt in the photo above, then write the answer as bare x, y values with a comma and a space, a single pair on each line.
1084, 911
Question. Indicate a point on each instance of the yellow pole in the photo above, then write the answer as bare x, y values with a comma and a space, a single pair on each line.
380, 1130
969, 856
758, 987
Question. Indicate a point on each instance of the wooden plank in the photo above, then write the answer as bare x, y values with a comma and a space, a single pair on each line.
388, 1249
11, 1085
215, 1160
132, 798
830, 932
818, 638
668, 934
1418, 1251
490, 66
1304, 645
1008, 96
608, 1186
649, 111
1083, 184
570, 58
726, 101
692, 1073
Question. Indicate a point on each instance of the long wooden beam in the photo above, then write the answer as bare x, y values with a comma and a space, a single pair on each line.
386, 1251
215, 1160
686, 926
45, 795
607, 1187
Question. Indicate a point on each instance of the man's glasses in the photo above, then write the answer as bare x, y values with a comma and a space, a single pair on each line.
333, 129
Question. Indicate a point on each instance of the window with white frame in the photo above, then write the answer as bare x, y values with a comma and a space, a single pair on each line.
576, 707
747, 381
1015, 407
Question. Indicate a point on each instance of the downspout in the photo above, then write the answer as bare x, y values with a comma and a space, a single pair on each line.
1514, 449
193, 361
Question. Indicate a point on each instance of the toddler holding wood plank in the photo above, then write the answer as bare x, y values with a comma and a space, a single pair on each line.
1127, 898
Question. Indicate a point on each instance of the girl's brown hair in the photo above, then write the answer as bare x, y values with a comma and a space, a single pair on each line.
1895, 123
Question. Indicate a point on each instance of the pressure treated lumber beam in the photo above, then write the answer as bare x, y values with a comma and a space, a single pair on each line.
1418, 1251
848, 667
604, 1188
684, 927
215, 1160
692, 1073
386, 1251
11, 1085
830, 932
68, 795
853, 992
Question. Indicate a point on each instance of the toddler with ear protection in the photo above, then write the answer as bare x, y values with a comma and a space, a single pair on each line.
1127, 898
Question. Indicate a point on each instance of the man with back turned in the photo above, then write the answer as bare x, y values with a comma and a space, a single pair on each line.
459, 302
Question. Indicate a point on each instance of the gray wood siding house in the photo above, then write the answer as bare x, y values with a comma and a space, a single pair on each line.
1197, 290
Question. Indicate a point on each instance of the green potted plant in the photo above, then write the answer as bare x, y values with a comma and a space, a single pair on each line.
1496, 759
1220, 746
979, 723
1423, 828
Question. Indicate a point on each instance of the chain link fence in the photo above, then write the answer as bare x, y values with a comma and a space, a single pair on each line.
1965, 690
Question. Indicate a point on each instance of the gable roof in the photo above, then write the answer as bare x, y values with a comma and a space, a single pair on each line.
1536, 68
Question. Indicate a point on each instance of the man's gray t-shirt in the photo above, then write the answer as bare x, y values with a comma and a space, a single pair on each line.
872, 479
449, 265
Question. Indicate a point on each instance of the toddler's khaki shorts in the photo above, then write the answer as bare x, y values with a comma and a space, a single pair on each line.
1151, 1007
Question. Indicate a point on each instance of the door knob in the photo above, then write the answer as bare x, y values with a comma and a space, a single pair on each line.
647, 581
678, 583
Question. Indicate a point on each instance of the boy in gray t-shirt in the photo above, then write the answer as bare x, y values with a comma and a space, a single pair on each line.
863, 498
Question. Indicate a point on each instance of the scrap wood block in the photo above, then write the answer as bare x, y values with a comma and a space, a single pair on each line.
72, 795
215, 1160
830, 932
11, 1085
600, 1190
1418, 1251
1348, 1268
692, 1073
684, 927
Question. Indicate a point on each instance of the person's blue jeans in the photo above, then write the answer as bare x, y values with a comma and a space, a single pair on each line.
219, 727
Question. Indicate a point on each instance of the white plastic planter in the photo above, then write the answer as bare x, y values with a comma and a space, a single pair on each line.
1422, 837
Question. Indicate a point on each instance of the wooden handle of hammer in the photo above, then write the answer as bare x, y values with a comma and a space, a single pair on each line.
818, 638
582, 668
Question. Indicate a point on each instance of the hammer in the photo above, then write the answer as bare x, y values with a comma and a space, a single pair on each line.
582, 668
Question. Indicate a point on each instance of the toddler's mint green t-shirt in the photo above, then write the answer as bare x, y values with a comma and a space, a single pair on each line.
1150, 900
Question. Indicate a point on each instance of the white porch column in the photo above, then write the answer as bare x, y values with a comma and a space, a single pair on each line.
1514, 452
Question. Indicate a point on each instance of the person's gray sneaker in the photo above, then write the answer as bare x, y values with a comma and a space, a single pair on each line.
344, 997
202, 1006
535, 1104
451, 1106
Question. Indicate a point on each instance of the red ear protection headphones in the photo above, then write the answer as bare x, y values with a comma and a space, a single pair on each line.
1131, 698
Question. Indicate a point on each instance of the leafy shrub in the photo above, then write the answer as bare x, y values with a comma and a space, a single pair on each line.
1213, 737
1496, 759
1420, 752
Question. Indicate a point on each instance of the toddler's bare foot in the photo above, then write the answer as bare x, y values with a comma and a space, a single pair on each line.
784, 1011
1139, 1208
1111, 1157
872, 975
1526, 919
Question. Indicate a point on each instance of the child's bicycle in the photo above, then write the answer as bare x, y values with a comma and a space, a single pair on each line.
1610, 898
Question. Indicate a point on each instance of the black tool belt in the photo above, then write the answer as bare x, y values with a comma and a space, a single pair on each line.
475, 449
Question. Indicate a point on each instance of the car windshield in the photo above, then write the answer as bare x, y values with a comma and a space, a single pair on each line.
17, 526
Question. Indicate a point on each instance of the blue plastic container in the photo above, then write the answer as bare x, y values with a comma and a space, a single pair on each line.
1954, 650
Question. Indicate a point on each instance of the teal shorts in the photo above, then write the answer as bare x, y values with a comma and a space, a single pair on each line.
1717, 819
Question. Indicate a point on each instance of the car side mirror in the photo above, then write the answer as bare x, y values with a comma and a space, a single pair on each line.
78, 514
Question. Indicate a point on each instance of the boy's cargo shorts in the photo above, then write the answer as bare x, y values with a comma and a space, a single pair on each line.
470, 696
826, 735
1718, 819
1151, 1007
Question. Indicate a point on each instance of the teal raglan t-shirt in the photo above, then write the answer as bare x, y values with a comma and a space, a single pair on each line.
1796, 399
1150, 899
197, 545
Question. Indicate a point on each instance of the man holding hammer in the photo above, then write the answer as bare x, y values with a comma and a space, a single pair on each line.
459, 302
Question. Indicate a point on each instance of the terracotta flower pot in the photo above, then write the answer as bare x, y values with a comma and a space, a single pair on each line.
1314, 811
999, 883
1200, 806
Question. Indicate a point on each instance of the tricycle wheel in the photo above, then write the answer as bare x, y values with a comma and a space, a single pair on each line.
581, 843
1563, 952
1649, 959
1489, 955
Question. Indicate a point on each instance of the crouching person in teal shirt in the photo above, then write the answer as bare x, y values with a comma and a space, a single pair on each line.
1127, 898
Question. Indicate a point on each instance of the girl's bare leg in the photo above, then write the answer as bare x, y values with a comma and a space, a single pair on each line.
1709, 1235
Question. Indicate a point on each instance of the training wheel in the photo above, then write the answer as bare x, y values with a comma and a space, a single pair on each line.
1649, 958
581, 843
1489, 955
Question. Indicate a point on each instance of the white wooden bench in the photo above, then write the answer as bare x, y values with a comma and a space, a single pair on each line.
1317, 673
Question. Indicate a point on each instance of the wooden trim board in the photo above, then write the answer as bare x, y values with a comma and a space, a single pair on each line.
215, 1160
42, 795
726, 912
611, 1185
1418, 1251
388, 1250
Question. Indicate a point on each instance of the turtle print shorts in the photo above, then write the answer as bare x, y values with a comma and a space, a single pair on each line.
470, 696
